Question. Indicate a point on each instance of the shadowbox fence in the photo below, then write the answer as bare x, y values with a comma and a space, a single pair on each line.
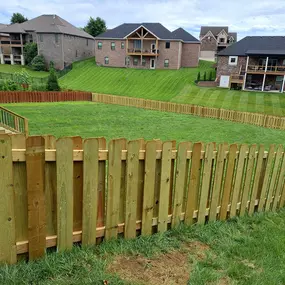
57, 192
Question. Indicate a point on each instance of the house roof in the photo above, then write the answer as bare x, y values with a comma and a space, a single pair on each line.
157, 29
2, 26
181, 34
234, 35
214, 29
256, 45
51, 24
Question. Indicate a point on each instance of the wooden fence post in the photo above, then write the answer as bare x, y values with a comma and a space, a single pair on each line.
35, 163
7, 203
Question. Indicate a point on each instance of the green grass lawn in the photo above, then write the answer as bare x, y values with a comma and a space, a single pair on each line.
245, 251
89, 119
168, 85
7, 68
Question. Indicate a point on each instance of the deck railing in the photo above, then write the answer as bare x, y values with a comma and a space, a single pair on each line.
270, 68
13, 122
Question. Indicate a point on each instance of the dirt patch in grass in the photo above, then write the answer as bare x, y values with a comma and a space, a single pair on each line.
170, 268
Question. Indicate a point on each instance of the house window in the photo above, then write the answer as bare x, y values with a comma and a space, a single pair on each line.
143, 62
106, 60
167, 45
122, 45
137, 44
222, 40
99, 45
233, 60
41, 37
113, 46
136, 61
87, 42
127, 61
56, 38
166, 63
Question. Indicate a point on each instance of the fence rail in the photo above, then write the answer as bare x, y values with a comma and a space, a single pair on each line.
43, 96
13, 122
57, 192
262, 120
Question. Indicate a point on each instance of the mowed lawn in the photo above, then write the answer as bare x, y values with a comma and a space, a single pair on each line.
169, 85
246, 251
89, 119
6, 68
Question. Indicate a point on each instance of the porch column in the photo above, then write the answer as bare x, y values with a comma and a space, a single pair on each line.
247, 60
141, 50
22, 48
266, 64
22, 59
2, 58
264, 77
283, 83
12, 59
244, 81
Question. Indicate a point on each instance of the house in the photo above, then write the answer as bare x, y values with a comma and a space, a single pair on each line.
57, 41
254, 63
147, 46
213, 40
3, 38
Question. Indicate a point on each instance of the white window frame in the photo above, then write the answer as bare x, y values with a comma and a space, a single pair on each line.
233, 63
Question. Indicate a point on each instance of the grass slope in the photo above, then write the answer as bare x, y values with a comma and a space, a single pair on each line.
6, 68
89, 119
168, 85
242, 251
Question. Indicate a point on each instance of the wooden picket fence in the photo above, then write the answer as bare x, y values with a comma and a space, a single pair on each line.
43, 96
54, 193
262, 120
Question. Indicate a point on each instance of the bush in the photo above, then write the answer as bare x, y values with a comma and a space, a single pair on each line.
38, 87
210, 76
30, 52
52, 83
205, 76
22, 79
199, 77
8, 85
38, 63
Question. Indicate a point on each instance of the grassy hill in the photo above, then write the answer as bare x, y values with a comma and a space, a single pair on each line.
10, 69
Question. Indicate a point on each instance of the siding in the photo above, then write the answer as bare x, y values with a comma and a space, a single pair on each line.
190, 55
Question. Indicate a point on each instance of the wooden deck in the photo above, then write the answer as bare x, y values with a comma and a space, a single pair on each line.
5, 131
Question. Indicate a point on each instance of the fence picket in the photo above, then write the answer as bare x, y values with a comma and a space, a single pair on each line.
279, 196
64, 170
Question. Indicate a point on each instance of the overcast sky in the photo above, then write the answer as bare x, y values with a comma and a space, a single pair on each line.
247, 17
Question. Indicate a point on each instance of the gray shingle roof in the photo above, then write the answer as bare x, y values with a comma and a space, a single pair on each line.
181, 34
234, 35
47, 24
259, 45
157, 29
214, 29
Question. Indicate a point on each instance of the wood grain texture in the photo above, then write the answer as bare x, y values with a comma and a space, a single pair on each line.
206, 180
228, 181
279, 196
164, 186
131, 197
35, 163
194, 183
149, 187
180, 181
238, 179
90, 191
7, 203
64, 171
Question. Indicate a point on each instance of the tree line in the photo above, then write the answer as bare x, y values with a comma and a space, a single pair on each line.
94, 27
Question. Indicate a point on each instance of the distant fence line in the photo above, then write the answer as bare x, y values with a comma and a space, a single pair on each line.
43, 96
262, 120
54, 193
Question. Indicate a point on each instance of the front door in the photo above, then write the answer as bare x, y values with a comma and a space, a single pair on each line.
152, 63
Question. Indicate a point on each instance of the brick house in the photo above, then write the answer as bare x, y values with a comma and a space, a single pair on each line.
254, 63
147, 46
215, 39
57, 41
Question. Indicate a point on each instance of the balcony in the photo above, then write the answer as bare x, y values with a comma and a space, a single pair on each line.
145, 52
261, 69
12, 43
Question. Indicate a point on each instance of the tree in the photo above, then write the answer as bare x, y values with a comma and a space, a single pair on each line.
18, 18
52, 83
38, 63
30, 52
205, 76
199, 77
210, 76
95, 27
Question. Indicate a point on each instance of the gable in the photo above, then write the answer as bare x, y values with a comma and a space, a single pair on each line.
209, 34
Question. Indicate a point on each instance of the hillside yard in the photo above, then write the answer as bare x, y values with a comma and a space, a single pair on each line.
168, 85
89, 119
242, 251
10, 69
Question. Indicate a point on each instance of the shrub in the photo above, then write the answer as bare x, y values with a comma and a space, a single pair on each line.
22, 79
52, 83
38, 87
210, 76
9, 85
30, 52
205, 76
199, 77
38, 63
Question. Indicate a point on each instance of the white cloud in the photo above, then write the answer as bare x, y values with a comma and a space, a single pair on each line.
247, 17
